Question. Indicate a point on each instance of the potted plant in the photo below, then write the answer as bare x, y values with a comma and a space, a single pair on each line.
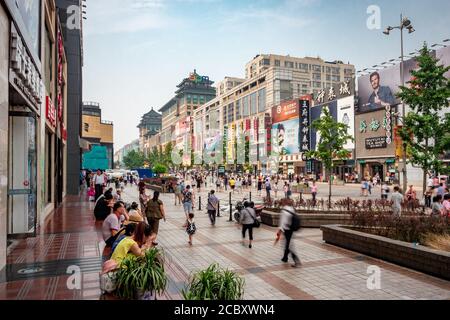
143, 277
214, 283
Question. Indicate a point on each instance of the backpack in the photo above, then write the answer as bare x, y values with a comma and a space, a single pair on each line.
295, 224
187, 197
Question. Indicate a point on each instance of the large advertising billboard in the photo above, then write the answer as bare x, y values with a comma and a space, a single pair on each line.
377, 90
286, 128
444, 57
346, 115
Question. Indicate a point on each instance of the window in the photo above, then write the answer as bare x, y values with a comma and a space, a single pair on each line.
262, 100
303, 66
225, 115
253, 103
189, 99
238, 110
230, 113
316, 68
202, 99
289, 64
48, 61
317, 76
317, 84
336, 78
277, 63
194, 99
266, 62
348, 71
246, 111
335, 70
48, 166
328, 69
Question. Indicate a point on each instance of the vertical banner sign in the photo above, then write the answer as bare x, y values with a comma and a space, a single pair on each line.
304, 126
388, 125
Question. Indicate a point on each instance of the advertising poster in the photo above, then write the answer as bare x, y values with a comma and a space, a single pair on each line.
346, 115
377, 90
316, 112
444, 58
286, 135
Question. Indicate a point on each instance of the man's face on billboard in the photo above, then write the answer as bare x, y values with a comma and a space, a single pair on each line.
375, 81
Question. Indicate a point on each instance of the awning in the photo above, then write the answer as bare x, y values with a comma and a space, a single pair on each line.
84, 144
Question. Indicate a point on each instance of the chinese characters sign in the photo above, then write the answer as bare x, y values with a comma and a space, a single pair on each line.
337, 91
304, 126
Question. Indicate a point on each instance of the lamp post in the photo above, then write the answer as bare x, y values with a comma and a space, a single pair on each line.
404, 23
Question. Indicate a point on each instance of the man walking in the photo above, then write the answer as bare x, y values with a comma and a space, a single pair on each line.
397, 201
268, 188
188, 202
99, 182
213, 204
289, 223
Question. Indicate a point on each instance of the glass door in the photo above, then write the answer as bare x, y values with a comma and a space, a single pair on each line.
22, 190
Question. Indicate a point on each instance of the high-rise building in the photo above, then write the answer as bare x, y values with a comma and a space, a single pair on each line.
192, 92
70, 14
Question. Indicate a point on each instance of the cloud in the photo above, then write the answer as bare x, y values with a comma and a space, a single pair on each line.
125, 16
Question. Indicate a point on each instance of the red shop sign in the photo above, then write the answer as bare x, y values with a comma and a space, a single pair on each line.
50, 111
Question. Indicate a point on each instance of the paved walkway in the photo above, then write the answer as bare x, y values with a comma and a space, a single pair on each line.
37, 267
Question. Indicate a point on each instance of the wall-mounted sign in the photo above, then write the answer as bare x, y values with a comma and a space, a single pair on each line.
305, 119
60, 76
24, 75
286, 111
337, 91
50, 111
194, 77
376, 143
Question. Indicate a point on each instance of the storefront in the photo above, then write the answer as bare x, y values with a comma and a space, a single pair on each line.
25, 98
375, 148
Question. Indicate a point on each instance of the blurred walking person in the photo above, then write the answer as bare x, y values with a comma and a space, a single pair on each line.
289, 223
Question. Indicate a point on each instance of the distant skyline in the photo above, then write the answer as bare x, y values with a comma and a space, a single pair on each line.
137, 51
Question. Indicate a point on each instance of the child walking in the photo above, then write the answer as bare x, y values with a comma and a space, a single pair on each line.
191, 228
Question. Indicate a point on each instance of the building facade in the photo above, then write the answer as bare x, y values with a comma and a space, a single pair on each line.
97, 132
246, 105
70, 15
150, 126
124, 151
33, 117
192, 93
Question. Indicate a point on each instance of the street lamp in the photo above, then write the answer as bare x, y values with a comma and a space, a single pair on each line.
404, 23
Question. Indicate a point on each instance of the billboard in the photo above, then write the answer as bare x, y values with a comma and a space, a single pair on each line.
377, 90
346, 115
285, 135
316, 112
444, 56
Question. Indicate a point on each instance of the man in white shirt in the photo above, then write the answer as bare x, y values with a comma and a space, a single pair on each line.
99, 182
397, 199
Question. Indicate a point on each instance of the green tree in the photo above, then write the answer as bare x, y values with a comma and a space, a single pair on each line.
426, 130
160, 169
333, 137
134, 159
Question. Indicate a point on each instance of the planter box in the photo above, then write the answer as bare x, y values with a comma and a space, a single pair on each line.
307, 220
420, 258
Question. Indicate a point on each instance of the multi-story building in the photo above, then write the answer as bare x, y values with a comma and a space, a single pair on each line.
192, 92
124, 151
34, 81
246, 104
149, 126
71, 15
99, 133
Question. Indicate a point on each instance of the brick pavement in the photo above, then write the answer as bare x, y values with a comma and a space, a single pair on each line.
70, 238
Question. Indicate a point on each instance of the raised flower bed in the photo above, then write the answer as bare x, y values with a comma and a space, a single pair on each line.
411, 255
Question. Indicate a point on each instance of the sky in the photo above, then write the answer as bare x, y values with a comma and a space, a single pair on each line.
137, 51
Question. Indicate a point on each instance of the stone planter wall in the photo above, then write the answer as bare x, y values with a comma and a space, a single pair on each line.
418, 257
307, 220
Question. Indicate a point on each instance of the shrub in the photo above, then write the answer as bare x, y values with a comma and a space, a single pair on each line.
214, 283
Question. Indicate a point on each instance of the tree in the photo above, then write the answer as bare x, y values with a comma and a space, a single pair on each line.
333, 137
160, 169
134, 159
426, 131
